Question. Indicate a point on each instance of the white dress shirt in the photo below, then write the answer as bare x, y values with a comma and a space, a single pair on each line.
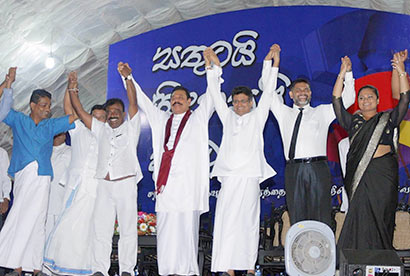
5, 182
84, 153
314, 127
117, 149
241, 152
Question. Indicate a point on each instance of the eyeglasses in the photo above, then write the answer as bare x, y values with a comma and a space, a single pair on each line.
240, 101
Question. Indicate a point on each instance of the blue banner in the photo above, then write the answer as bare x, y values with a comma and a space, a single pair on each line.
313, 39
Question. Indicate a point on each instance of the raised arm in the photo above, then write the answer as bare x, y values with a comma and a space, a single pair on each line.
125, 71
5, 89
75, 102
68, 107
270, 78
341, 113
214, 80
153, 113
395, 81
348, 93
400, 110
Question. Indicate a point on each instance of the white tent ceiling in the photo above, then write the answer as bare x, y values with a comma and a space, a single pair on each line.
79, 32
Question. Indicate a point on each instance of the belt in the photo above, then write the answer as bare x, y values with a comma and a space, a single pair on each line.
307, 160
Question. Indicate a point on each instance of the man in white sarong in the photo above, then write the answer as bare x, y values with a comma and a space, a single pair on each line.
22, 238
240, 167
118, 172
181, 174
69, 248
60, 159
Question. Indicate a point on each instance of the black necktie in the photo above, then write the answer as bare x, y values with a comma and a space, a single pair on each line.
295, 135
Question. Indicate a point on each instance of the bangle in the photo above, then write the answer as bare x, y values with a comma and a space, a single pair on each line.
402, 74
340, 77
405, 92
209, 67
73, 89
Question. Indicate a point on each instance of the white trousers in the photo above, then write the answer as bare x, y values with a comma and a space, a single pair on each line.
236, 228
115, 199
177, 243
22, 237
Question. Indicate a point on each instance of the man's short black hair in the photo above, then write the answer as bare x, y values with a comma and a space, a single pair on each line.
112, 101
373, 88
97, 107
298, 80
39, 93
242, 90
179, 87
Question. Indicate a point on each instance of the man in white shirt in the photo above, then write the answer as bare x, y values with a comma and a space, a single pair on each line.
307, 175
5, 184
240, 167
60, 159
181, 174
68, 249
118, 172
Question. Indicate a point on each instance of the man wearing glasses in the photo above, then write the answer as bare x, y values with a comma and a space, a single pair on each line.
240, 167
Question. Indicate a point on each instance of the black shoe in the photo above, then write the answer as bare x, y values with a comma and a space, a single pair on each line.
125, 274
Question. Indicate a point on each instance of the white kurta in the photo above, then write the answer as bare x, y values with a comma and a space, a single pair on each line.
117, 155
68, 249
60, 159
240, 166
187, 188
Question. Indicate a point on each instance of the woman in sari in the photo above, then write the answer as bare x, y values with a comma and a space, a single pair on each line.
371, 179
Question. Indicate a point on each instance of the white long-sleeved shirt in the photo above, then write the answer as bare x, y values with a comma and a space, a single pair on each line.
314, 127
187, 187
241, 151
5, 182
84, 151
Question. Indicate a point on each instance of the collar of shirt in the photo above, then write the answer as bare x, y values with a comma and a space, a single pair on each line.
306, 107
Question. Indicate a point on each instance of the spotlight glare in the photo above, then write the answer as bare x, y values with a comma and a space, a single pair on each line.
50, 62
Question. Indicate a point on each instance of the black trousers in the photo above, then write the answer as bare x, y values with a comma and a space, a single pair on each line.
308, 191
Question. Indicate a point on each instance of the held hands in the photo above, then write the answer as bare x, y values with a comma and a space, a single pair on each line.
210, 57
124, 69
346, 66
72, 82
398, 62
274, 53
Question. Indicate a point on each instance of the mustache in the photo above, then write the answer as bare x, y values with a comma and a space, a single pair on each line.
176, 103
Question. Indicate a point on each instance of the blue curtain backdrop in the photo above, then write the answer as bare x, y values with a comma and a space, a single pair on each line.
312, 40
